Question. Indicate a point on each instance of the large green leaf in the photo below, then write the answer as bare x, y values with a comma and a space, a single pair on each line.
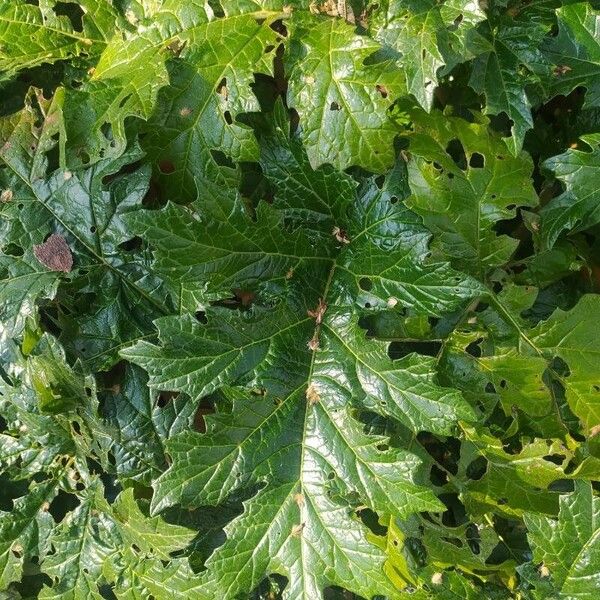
341, 97
569, 546
85, 210
569, 335
430, 36
509, 62
34, 34
463, 183
307, 302
577, 208
24, 530
574, 54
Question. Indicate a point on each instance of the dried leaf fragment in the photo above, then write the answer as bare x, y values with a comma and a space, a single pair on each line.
55, 254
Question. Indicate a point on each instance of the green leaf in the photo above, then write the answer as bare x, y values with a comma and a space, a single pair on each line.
568, 546
84, 209
80, 544
299, 299
574, 54
143, 425
24, 530
210, 87
305, 315
513, 483
508, 63
33, 35
463, 183
430, 37
151, 535
569, 335
576, 209
341, 97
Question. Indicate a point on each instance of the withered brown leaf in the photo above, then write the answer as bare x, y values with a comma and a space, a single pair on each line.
55, 254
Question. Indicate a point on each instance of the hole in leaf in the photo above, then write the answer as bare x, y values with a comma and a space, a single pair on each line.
437, 476
222, 159
124, 101
72, 11
455, 150
132, 245
477, 161
557, 459
371, 520
13, 250
62, 504
206, 407
562, 485
365, 284
164, 398
399, 349
477, 468
474, 348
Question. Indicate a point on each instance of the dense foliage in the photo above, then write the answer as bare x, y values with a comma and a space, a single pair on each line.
299, 299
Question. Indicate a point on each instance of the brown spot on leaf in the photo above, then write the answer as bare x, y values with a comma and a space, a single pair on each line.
382, 90
313, 343
6, 195
166, 167
176, 46
340, 235
297, 529
312, 395
594, 431
245, 297
289, 274
299, 500
185, 111
560, 70
55, 254
318, 312
222, 89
